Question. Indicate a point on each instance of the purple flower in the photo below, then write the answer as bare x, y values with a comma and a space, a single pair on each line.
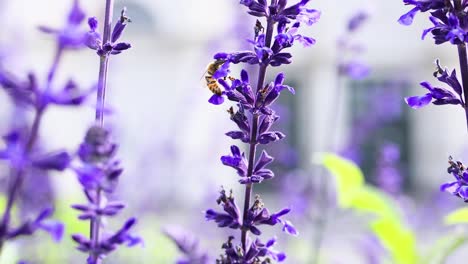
389, 177
42, 222
237, 161
112, 46
254, 118
459, 187
420, 6
109, 243
439, 96
30, 93
99, 172
70, 36
254, 251
449, 23
354, 69
231, 217
259, 215
189, 246
357, 21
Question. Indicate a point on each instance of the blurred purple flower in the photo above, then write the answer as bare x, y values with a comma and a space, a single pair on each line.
100, 172
21, 151
70, 36
357, 21
189, 246
388, 174
354, 70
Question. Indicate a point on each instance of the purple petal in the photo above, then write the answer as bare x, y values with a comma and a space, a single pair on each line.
216, 99
407, 19
417, 102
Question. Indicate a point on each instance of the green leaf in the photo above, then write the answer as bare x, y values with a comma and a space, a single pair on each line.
371, 200
459, 216
387, 224
397, 239
348, 177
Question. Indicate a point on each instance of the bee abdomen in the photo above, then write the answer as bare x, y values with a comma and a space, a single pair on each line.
213, 86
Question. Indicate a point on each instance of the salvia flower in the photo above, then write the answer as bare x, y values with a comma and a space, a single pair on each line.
21, 152
349, 65
438, 95
94, 40
99, 171
256, 252
449, 20
189, 246
42, 222
459, 187
254, 118
71, 36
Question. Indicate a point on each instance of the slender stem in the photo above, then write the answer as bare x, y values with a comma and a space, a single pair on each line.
100, 105
103, 66
53, 68
101, 93
462, 56
253, 136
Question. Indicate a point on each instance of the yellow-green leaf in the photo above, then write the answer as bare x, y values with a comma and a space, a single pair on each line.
371, 200
387, 226
348, 177
397, 239
459, 216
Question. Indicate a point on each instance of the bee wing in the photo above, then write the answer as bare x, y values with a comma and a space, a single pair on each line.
204, 74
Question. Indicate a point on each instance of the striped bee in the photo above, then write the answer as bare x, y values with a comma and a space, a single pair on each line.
211, 82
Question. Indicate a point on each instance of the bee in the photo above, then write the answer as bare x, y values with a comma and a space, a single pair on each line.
212, 83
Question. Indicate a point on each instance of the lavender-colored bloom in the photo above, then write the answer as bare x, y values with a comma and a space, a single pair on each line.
449, 23
21, 151
29, 92
255, 117
388, 174
357, 21
70, 36
256, 252
459, 187
420, 6
352, 67
42, 222
439, 96
99, 172
94, 40
257, 215
189, 246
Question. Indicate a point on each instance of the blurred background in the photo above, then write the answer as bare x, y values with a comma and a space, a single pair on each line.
171, 138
